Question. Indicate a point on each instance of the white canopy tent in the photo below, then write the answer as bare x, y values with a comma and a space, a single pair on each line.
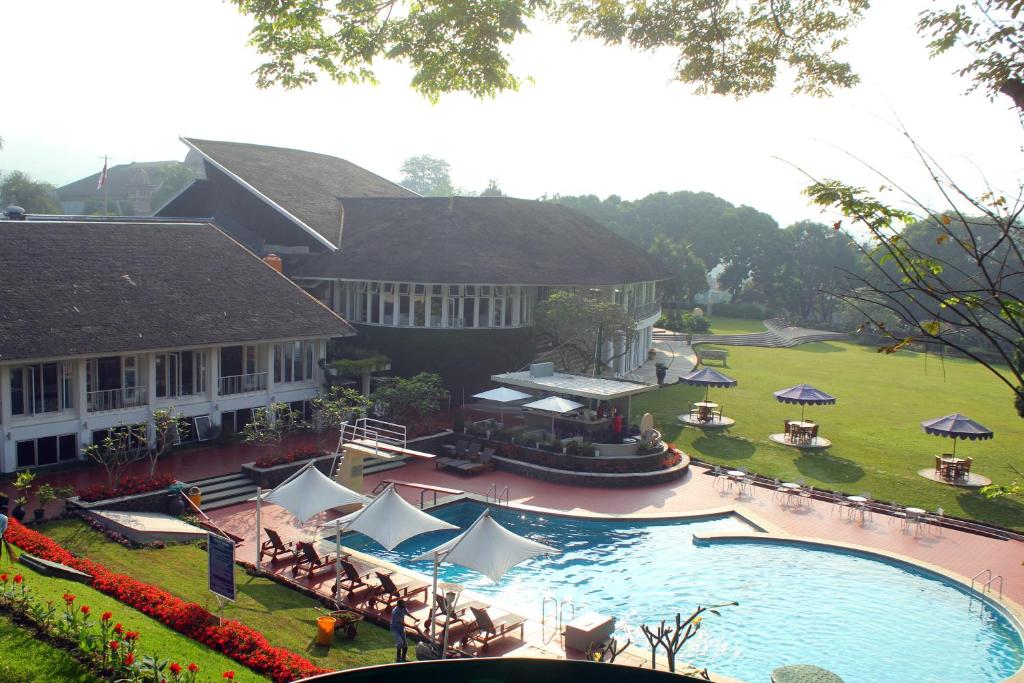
486, 547
556, 405
502, 395
305, 494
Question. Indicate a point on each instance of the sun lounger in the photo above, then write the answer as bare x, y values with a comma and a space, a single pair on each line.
352, 578
459, 451
441, 612
486, 628
484, 463
392, 588
275, 546
309, 560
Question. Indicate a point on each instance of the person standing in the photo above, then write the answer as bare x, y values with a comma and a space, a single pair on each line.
398, 616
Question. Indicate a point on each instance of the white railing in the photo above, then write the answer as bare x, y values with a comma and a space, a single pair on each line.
243, 384
115, 399
373, 432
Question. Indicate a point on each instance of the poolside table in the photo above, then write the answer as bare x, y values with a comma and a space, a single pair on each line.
859, 505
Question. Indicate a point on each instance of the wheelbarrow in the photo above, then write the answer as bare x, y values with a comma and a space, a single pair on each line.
344, 622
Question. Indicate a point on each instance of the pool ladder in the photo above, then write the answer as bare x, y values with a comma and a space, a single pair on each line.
987, 586
492, 492
557, 613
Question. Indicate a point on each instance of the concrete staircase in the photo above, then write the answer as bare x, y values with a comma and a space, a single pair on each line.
777, 335
231, 489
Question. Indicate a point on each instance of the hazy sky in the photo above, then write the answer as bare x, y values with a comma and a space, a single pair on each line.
127, 77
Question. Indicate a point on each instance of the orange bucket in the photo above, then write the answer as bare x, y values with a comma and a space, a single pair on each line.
325, 630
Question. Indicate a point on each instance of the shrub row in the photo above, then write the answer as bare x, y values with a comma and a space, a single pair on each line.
238, 641
128, 486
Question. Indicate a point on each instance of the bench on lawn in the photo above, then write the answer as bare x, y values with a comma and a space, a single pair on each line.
704, 355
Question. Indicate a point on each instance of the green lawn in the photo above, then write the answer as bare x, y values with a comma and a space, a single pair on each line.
878, 444
735, 325
285, 616
154, 637
24, 659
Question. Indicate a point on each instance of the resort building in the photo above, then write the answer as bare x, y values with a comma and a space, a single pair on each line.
440, 284
103, 322
129, 189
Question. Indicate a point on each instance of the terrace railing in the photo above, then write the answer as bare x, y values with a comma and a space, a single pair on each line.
115, 399
242, 384
643, 311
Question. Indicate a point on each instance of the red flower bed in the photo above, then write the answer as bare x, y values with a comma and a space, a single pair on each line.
243, 644
129, 486
290, 456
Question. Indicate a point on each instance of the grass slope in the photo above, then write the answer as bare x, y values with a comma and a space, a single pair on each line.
154, 638
285, 616
721, 325
23, 659
878, 444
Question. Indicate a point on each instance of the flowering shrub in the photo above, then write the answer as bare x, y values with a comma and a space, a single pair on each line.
128, 486
672, 457
105, 648
245, 645
272, 459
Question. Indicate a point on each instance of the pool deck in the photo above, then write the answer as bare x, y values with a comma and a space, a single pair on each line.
957, 554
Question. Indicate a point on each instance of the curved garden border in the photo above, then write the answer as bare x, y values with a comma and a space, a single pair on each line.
607, 479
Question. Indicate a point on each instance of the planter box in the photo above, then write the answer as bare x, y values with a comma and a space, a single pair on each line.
154, 501
581, 463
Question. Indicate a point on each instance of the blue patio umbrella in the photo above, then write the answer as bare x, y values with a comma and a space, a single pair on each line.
956, 426
707, 378
805, 395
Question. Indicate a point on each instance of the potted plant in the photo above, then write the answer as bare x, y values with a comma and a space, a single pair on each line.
661, 370
23, 482
47, 494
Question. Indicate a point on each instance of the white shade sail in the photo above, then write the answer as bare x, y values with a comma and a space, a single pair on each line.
554, 404
312, 492
390, 519
487, 547
502, 395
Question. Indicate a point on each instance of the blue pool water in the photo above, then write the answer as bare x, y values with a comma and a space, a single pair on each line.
866, 619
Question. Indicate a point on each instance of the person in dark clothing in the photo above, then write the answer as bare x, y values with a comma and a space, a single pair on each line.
398, 616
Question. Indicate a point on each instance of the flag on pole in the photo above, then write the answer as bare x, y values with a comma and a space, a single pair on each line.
103, 176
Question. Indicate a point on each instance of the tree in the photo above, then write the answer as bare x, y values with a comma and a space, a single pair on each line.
270, 426
579, 327
428, 176
492, 189
18, 189
122, 446
734, 47
338, 406
819, 259
410, 399
672, 638
691, 278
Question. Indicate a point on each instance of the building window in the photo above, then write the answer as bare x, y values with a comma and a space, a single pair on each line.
42, 388
47, 450
293, 361
180, 373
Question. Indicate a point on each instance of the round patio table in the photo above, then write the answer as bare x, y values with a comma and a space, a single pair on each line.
804, 673
790, 485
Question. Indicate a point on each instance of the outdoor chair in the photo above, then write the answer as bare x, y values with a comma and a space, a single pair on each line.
813, 433
309, 560
390, 589
935, 520
897, 511
275, 546
484, 463
486, 629
444, 614
352, 579
938, 465
778, 490
806, 495
787, 430
839, 501
473, 452
457, 456
719, 474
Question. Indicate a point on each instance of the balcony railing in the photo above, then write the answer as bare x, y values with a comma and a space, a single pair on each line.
243, 384
644, 311
115, 399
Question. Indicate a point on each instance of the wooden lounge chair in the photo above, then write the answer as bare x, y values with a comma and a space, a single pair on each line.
487, 629
391, 589
309, 560
275, 546
442, 610
475, 467
352, 579
458, 455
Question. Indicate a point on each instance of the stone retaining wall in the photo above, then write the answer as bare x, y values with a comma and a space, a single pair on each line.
559, 476
154, 501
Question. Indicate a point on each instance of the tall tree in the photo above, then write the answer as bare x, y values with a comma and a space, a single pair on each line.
428, 176
690, 275
821, 261
493, 189
19, 189
579, 327
170, 180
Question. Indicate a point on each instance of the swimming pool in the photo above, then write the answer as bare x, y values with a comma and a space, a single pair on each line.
864, 618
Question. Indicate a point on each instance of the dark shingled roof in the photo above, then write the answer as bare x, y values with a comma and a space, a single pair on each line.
305, 184
119, 180
71, 288
494, 240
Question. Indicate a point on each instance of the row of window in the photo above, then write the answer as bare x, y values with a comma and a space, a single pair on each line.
113, 381
402, 304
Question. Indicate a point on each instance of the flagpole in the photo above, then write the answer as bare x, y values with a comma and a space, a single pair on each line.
259, 499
